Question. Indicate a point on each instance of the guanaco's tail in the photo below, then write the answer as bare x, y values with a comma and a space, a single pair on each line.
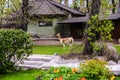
72, 40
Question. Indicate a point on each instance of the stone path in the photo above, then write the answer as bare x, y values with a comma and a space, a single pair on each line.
46, 61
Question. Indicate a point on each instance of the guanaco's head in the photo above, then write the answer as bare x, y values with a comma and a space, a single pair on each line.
58, 34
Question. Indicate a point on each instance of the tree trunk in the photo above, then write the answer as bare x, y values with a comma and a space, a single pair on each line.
25, 15
95, 8
119, 4
113, 3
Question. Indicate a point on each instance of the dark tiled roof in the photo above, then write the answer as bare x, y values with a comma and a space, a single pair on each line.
49, 7
114, 16
86, 18
75, 20
73, 11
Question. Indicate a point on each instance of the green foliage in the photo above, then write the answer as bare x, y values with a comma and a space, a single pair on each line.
95, 70
105, 30
99, 30
14, 45
32, 75
90, 70
7, 7
61, 73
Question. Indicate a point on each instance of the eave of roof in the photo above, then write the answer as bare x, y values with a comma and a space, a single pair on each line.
73, 11
74, 20
86, 18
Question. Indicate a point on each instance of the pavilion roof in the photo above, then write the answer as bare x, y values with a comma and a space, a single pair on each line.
50, 7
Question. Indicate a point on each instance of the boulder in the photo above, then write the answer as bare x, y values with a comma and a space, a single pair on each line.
111, 53
119, 62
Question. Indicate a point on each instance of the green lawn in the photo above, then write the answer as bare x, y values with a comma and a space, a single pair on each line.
22, 75
51, 49
118, 48
55, 49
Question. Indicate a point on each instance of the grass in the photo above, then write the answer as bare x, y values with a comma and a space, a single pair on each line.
51, 49
118, 48
21, 75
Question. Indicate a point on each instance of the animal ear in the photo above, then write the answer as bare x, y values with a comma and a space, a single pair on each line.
58, 33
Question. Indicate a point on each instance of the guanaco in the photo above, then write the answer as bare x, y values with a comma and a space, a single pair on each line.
64, 41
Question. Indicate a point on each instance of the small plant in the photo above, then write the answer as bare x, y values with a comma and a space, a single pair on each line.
95, 70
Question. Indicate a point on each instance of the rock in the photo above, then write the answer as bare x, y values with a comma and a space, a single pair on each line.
111, 62
111, 53
114, 68
119, 62
55, 58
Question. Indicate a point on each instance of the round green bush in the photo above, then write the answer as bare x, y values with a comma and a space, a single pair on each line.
14, 45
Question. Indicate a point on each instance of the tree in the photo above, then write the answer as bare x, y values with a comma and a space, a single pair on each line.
7, 7
119, 3
95, 8
96, 28
113, 3
76, 4
25, 15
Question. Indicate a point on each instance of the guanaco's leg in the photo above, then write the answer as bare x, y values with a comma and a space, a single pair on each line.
63, 45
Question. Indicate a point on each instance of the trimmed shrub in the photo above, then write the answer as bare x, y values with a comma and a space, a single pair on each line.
14, 45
